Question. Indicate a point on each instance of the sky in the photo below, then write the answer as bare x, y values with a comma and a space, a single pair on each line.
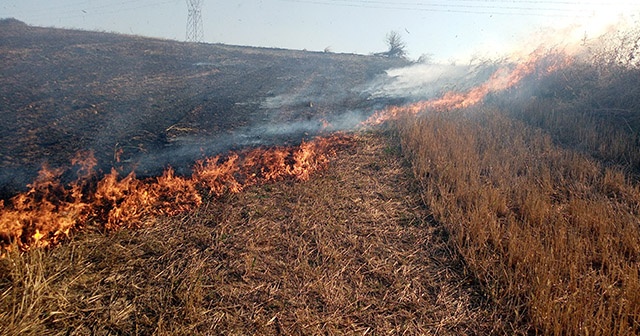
447, 30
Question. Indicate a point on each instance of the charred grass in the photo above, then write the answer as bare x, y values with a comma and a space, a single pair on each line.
349, 252
141, 104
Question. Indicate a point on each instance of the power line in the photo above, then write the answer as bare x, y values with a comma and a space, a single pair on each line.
74, 11
548, 2
453, 8
448, 5
49, 9
539, 2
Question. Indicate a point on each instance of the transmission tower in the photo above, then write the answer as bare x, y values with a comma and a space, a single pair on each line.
195, 32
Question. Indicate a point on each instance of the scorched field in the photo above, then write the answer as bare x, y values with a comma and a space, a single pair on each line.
158, 187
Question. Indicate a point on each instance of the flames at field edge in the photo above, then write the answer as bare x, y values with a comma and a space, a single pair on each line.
49, 211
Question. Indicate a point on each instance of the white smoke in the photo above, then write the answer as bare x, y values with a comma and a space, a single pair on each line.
424, 81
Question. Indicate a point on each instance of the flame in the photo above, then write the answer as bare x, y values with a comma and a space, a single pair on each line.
239, 171
49, 211
48, 208
504, 78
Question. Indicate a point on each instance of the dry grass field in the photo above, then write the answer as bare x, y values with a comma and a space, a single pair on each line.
550, 233
514, 211
351, 251
541, 197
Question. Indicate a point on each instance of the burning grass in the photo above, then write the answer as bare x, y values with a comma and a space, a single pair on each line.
49, 211
538, 187
349, 251
539, 63
539, 204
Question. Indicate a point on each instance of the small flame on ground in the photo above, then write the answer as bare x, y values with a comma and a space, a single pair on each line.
504, 78
49, 211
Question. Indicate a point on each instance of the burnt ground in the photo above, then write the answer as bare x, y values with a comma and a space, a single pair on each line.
143, 104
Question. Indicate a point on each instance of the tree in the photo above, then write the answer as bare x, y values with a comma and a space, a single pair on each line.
397, 47
425, 59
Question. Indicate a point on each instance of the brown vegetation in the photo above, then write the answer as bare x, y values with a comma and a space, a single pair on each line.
551, 232
522, 216
538, 189
348, 252
585, 107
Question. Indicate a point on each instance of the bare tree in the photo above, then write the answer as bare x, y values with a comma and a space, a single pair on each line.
425, 59
397, 47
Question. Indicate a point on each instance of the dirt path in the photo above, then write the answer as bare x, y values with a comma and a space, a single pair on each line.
348, 252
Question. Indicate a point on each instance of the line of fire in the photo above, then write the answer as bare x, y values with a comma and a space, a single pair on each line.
50, 211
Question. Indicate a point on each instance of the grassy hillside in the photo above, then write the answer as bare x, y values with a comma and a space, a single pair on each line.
539, 190
350, 251
517, 215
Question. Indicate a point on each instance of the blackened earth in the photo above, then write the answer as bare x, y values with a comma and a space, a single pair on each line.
145, 104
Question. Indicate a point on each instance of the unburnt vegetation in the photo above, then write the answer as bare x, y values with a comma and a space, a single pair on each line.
540, 194
549, 232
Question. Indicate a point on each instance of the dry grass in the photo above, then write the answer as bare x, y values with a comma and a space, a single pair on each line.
552, 235
348, 252
590, 106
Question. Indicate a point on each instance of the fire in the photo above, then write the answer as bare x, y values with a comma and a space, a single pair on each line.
50, 211
129, 201
504, 78
239, 171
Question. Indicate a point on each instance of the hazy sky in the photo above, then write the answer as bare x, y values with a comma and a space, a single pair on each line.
448, 29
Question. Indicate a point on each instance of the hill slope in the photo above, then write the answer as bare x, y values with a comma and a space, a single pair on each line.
146, 103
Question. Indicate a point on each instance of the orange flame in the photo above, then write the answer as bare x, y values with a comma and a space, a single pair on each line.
49, 211
504, 78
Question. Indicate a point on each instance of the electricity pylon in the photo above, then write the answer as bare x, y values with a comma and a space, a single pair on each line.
195, 32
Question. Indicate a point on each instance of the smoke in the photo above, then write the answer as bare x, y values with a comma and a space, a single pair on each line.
426, 81
292, 117
296, 110
181, 152
421, 81
300, 113
288, 100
